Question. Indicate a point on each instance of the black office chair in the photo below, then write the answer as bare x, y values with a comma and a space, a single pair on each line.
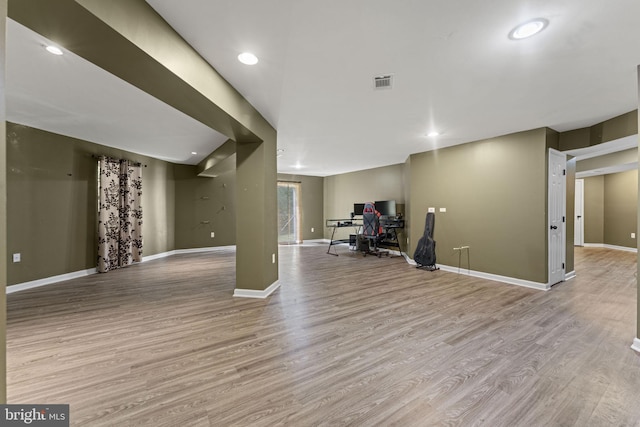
371, 231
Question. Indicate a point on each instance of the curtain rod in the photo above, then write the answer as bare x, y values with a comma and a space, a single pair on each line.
100, 156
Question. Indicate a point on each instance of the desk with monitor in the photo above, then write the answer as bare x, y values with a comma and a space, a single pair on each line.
390, 222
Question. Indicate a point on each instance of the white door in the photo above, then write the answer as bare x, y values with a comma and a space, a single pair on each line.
578, 234
556, 216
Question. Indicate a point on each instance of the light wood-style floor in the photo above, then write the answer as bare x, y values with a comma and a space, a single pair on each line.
345, 341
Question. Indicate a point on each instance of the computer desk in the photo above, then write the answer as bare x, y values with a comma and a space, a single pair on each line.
334, 224
390, 227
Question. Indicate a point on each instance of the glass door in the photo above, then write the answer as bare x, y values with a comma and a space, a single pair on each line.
289, 213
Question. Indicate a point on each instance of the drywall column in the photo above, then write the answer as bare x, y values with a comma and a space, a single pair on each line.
636, 342
3, 207
131, 41
257, 251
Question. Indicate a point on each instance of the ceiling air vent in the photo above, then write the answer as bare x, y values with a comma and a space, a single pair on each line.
383, 82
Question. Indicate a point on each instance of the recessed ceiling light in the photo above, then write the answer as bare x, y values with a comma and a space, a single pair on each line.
298, 166
248, 58
433, 134
54, 50
528, 29
193, 153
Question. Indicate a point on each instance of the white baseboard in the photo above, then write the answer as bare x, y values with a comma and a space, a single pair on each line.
496, 277
50, 280
570, 275
157, 256
207, 249
617, 248
252, 293
636, 344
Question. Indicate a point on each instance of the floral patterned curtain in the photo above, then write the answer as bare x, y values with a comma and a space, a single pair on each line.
120, 214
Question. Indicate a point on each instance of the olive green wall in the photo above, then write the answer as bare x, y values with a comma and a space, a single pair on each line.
342, 191
609, 130
312, 189
495, 195
621, 208
610, 209
3, 208
406, 185
51, 191
594, 209
204, 205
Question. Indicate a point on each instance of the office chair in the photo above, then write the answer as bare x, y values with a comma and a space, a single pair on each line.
371, 231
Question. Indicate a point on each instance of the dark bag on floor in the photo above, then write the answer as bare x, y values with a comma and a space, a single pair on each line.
425, 254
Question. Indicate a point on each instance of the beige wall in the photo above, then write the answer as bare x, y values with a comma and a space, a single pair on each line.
342, 191
312, 189
495, 195
594, 209
52, 191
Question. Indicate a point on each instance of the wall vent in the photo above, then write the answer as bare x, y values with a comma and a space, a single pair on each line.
383, 82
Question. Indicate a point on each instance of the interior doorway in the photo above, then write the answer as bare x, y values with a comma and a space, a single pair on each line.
289, 218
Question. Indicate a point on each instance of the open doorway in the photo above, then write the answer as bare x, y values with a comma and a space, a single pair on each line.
289, 218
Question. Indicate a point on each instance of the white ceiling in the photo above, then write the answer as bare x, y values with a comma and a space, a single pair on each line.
455, 71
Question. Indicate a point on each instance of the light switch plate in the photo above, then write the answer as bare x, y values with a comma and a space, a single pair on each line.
16, 257
443, 209
432, 210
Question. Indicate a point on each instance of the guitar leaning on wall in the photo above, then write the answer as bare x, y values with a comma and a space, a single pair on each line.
425, 254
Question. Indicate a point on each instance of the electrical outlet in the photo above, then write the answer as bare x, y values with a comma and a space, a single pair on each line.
443, 209
273, 258
16, 257
313, 229
213, 234
633, 235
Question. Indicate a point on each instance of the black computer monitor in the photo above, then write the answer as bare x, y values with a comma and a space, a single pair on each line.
358, 208
386, 207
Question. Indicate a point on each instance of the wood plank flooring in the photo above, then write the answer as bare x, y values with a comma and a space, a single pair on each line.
346, 340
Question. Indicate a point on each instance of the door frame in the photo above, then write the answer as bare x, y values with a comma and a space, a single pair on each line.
297, 212
562, 157
579, 200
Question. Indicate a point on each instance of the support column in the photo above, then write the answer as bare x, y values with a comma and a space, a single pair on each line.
256, 219
636, 341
